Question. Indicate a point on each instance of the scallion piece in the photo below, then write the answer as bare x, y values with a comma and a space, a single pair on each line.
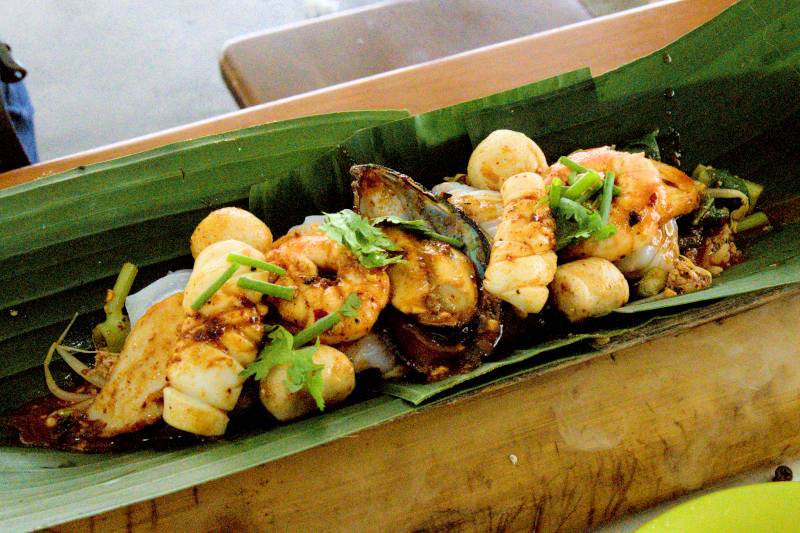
582, 184
608, 195
572, 165
270, 289
556, 186
111, 333
756, 220
256, 263
590, 192
325, 323
214, 287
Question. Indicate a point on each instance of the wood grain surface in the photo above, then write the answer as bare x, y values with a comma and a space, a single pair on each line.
602, 44
563, 450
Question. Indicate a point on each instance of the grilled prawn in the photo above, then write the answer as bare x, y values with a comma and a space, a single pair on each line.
639, 210
325, 274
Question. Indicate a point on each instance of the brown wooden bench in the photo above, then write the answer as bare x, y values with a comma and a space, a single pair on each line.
298, 58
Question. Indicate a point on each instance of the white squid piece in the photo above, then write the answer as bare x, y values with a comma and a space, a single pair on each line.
523, 260
215, 343
131, 398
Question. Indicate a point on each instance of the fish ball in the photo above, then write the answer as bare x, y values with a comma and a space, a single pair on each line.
231, 223
501, 155
587, 288
339, 380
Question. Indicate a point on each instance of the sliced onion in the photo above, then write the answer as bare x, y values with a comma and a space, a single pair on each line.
81, 369
732, 193
138, 303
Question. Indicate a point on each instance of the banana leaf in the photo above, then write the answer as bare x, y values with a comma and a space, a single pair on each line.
728, 92
63, 238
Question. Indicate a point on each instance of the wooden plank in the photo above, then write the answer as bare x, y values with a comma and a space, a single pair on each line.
564, 450
602, 44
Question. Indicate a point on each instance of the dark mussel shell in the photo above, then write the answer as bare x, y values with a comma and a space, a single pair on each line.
380, 191
436, 352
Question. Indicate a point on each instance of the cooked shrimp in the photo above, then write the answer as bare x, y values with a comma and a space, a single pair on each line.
683, 193
523, 261
436, 283
325, 273
483, 206
639, 210
214, 344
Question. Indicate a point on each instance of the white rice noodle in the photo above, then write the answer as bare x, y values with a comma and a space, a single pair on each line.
371, 351
138, 303
309, 220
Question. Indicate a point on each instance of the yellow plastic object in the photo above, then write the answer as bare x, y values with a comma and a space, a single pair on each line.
773, 507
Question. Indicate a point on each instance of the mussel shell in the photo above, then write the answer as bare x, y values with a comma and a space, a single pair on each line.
435, 352
380, 191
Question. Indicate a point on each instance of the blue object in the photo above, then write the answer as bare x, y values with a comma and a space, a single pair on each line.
18, 105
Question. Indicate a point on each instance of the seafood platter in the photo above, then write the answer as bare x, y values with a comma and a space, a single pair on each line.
214, 296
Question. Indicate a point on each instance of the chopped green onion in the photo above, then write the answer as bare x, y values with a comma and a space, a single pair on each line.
582, 184
214, 287
590, 192
325, 323
270, 289
572, 177
608, 195
616, 191
256, 263
556, 186
572, 165
756, 220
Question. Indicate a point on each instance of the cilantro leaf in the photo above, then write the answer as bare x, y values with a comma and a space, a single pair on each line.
368, 243
302, 371
422, 227
575, 222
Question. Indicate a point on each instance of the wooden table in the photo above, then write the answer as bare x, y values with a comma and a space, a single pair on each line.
569, 448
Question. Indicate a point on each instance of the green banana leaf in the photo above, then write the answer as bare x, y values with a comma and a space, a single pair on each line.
728, 92
62, 239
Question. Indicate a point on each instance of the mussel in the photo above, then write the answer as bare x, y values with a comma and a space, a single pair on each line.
441, 320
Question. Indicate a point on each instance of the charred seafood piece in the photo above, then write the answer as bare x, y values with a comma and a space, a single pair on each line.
442, 321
